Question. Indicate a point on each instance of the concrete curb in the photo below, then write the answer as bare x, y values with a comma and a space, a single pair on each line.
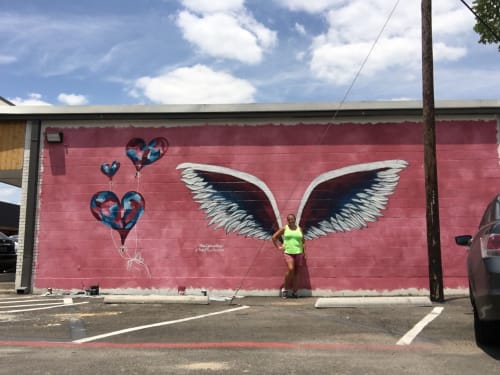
200, 300
370, 301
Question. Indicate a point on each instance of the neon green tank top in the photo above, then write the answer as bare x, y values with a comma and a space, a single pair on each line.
292, 240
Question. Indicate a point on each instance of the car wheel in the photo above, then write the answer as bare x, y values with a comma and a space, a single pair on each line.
485, 331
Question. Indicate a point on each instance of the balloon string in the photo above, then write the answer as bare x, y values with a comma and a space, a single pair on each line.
137, 256
122, 249
136, 231
136, 259
138, 178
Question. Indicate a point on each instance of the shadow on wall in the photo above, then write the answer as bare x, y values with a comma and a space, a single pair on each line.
305, 281
57, 155
406, 133
304, 286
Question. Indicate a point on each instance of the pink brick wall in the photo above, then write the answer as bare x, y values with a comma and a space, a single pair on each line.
176, 245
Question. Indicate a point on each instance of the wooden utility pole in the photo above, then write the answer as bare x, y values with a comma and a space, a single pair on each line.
431, 185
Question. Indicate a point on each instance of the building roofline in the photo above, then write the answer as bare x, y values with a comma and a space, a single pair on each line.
256, 110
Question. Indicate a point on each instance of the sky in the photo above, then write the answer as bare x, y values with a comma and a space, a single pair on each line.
119, 52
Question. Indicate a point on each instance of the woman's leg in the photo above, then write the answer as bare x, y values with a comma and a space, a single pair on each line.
296, 279
289, 277
298, 263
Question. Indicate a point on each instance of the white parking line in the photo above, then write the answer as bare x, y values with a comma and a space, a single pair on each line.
31, 305
412, 333
133, 329
22, 305
25, 300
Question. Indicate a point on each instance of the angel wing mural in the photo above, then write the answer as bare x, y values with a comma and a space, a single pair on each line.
336, 201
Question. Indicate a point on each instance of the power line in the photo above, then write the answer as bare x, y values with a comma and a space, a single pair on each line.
482, 21
323, 134
366, 59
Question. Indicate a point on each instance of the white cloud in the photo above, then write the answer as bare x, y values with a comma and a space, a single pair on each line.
300, 28
441, 51
195, 85
72, 99
6, 59
321, 48
338, 54
213, 6
300, 56
471, 80
33, 99
225, 30
60, 45
310, 6
451, 22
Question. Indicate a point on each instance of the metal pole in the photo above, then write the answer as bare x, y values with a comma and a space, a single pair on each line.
431, 185
31, 205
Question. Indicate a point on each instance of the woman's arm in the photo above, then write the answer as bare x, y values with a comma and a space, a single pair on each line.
276, 236
303, 243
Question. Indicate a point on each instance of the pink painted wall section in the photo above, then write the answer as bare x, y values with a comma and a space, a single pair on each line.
167, 239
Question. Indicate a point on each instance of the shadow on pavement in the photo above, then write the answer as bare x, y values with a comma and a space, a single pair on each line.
7, 280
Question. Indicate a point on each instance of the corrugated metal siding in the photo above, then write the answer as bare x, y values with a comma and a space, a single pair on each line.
11, 144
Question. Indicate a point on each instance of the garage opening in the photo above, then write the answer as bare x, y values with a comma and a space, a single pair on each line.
12, 136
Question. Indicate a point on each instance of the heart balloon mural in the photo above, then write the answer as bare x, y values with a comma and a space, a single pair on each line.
118, 215
110, 170
143, 154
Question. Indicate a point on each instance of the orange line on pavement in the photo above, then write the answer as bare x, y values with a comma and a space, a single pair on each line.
215, 345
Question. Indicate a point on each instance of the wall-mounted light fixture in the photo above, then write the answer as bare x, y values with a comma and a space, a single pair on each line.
54, 137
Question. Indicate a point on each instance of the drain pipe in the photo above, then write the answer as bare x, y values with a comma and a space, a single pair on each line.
35, 129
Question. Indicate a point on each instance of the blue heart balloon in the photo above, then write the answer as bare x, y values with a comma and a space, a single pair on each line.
110, 170
143, 154
118, 215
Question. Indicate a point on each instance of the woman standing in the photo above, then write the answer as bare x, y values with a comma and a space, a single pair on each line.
293, 248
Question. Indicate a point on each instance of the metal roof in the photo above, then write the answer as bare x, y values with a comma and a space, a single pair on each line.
256, 110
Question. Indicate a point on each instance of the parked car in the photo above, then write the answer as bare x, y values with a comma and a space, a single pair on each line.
8, 256
15, 238
483, 269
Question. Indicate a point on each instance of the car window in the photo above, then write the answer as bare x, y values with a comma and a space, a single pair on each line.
492, 212
486, 216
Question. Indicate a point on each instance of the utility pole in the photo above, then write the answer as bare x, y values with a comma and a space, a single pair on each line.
431, 186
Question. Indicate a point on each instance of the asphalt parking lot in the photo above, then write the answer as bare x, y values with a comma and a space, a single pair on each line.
82, 334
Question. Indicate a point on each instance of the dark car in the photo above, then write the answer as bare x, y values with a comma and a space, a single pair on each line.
483, 268
8, 256
15, 238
